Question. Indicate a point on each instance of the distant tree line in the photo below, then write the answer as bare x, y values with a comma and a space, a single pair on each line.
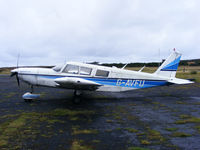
192, 62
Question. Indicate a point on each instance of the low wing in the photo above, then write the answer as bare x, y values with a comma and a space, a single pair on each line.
77, 83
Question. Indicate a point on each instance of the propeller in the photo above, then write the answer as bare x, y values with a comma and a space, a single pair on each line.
15, 73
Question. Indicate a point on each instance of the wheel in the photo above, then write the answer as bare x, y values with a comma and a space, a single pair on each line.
28, 100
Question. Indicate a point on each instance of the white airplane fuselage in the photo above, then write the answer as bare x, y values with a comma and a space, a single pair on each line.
80, 76
117, 80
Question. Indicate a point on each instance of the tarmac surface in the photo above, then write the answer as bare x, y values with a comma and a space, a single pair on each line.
154, 118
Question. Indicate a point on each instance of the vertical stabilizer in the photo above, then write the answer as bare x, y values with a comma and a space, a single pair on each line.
170, 66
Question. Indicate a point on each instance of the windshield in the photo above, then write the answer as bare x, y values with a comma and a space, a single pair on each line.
71, 69
57, 68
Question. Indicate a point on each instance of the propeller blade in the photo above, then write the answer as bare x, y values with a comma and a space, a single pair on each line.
13, 73
17, 79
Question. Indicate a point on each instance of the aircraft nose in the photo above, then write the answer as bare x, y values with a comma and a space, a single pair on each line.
14, 72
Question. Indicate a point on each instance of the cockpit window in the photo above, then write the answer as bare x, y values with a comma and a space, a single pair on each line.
102, 73
57, 68
71, 69
85, 70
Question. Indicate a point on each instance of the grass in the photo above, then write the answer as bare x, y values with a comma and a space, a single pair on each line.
64, 112
78, 145
109, 121
131, 130
52, 121
183, 116
151, 137
9, 95
180, 74
188, 120
156, 103
154, 135
131, 117
137, 148
9, 116
96, 141
198, 128
5, 71
76, 131
180, 134
3, 142
17, 126
118, 117
171, 129
187, 75
10, 128
145, 142
146, 69
74, 118
181, 102
21, 126
196, 103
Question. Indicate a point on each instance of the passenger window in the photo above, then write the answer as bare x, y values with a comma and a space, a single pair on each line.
102, 73
71, 69
85, 71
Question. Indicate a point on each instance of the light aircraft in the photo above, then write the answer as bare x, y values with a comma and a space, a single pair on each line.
81, 76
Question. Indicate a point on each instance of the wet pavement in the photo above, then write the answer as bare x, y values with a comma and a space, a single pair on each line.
155, 118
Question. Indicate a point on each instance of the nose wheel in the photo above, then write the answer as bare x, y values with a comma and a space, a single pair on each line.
29, 96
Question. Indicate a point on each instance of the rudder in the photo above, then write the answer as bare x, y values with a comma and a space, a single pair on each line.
170, 66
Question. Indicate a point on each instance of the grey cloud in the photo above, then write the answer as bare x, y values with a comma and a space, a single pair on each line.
48, 32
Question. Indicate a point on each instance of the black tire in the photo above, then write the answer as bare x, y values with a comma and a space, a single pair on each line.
28, 100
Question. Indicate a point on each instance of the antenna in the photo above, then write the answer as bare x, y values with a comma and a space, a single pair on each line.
124, 66
159, 57
18, 56
65, 60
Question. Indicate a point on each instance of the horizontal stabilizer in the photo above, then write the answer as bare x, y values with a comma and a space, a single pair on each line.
179, 81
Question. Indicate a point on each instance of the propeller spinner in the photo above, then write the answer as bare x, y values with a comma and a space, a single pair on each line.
15, 73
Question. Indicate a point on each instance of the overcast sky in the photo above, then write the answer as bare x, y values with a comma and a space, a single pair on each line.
48, 32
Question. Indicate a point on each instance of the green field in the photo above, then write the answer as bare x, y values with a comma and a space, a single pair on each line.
5, 70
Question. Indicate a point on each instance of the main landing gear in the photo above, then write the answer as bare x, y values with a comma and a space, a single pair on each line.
77, 97
29, 96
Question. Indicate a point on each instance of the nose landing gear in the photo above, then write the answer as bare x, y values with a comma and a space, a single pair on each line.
29, 96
